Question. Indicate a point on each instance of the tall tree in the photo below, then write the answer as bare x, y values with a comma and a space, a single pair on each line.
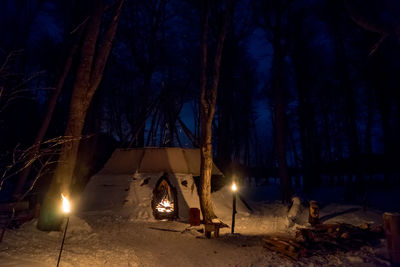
235, 95
380, 16
274, 22
208, 98
88, 78
305, 81
49, 113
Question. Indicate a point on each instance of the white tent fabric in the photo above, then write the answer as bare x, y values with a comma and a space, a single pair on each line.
131, 195
125, 185
155, 160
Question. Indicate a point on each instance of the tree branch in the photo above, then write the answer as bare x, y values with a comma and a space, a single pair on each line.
104, 50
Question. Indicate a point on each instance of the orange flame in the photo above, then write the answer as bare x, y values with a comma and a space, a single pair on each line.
165, 206
66, 207
234, 188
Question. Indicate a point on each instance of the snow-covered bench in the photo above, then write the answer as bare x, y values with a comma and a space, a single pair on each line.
214, 226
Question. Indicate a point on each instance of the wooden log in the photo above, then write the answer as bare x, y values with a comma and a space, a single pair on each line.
338, 236
313, 217
281, 248
291, 241
391, 223
285, 246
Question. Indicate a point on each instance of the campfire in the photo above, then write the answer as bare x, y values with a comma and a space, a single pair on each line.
165, 206
164, 201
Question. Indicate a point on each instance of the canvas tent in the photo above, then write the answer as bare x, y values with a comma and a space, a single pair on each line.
127, 180
155, 160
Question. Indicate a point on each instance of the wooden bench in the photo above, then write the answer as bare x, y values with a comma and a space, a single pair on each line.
212, 227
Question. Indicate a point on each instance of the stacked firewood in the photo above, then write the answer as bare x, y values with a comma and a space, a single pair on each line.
324, 237
286, 246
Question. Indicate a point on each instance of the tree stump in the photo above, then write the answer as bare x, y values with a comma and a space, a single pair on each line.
313, 217
391, 224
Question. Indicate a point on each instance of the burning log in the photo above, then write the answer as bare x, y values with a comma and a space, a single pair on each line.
164, 202
165, 206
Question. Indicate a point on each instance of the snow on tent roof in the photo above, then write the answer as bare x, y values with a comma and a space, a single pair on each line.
155, 160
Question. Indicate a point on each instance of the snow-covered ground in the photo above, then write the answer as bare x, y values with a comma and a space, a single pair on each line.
109, 239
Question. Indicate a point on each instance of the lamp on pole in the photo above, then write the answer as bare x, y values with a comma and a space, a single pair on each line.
66, 209
234, 190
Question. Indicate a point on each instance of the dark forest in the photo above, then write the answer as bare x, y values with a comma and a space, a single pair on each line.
298, 95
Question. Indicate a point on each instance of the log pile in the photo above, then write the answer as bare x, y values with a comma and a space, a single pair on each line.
324, 238
286, 246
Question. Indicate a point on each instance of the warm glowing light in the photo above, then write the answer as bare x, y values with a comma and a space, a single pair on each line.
66, 207
234, 188
165, 206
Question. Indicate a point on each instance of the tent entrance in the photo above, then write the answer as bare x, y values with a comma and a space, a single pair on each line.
164, 202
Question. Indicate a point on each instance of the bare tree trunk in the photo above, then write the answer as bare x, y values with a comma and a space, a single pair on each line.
281, 147
280, 115
208, 99
225, 130
188, 133
342, 70
89, 74
205, 131
327, 137
154, 139
196, 118
296, 159
152, 130
49, 112
376, 16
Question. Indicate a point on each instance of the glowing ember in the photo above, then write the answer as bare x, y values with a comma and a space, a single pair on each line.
165, 206
65, 205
